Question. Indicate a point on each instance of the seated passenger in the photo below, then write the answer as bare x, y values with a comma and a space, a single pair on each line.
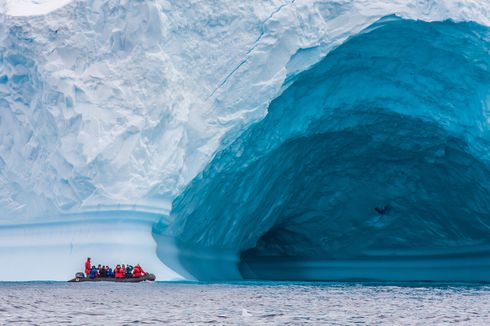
118, 272
138, 271
93, 272
129, 271
109, 271
103, 272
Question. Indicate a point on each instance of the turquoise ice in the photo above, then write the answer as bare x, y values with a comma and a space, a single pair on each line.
396, 118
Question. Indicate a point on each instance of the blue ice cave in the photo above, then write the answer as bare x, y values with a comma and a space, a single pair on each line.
371, 165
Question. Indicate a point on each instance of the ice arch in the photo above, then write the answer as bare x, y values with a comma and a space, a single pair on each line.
394, 119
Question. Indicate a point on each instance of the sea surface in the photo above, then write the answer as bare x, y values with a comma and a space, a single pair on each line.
248, 303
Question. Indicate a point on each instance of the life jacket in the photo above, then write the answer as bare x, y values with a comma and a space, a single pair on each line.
137, 272
119, 273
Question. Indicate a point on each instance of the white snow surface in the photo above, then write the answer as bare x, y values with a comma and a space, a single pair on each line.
121, 102
33, 7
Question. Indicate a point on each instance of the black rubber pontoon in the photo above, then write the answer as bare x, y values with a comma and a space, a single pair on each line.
147, 277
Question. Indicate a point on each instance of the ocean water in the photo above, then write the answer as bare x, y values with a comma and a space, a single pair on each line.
246, 303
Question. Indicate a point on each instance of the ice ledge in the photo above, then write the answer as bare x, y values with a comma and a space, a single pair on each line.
60, 246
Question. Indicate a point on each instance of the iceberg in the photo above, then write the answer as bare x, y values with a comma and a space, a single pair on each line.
120, 120
372, 164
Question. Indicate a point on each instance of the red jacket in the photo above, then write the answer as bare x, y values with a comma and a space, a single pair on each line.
87, 267
137, 271
119, 273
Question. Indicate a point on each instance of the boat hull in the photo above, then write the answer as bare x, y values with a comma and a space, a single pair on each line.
148, 277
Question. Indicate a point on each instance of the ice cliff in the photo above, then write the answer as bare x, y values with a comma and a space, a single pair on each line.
110, 109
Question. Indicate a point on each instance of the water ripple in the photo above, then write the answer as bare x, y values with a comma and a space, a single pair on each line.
243, 304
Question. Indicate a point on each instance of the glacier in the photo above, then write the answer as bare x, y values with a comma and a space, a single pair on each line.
148, 129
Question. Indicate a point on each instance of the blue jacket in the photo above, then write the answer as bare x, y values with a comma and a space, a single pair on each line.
93, 272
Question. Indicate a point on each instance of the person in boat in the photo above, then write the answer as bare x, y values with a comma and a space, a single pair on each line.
87, 267
138, 271
109, 271
103, 271
122, 271
118, 272
93, 272
129, 271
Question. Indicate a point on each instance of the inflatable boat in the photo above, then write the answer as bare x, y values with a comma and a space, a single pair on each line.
81, 278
